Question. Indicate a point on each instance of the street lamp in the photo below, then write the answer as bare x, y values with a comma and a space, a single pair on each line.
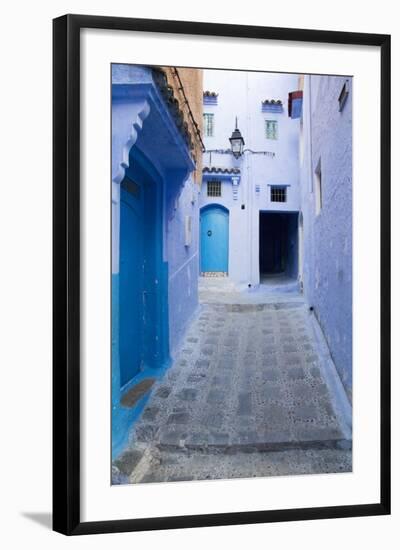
237, 142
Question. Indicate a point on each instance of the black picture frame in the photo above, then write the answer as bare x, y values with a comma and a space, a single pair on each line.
66, 273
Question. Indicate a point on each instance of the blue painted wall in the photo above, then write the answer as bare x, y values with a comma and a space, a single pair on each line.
122, 418
140, 308
326, 142
151, 157
183, 258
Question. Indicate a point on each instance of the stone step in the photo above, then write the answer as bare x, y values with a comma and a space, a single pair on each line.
187, 466
255, 307
149, 464
226, 445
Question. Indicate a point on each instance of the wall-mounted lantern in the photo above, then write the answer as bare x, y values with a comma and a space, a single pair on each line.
237, 142
237, 148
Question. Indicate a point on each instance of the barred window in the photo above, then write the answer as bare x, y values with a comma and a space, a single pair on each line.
278, 194
208, 119
213, 188
271, 129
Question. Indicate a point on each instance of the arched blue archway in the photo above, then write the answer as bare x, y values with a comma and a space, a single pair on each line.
214, 239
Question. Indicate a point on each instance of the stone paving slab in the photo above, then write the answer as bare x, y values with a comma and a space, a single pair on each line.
248, 379
246, 376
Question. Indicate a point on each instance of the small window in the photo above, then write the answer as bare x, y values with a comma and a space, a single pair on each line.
188, 230
344, 93
213, 189
318, 189
208, 119
278, 194
271, 129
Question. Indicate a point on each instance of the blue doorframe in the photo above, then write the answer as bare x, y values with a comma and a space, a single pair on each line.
148, 317
214, 238
152, 149
139, 293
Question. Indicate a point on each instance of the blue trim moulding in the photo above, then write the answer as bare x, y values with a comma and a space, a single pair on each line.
217, 173
210, 98
272, 106
279, 184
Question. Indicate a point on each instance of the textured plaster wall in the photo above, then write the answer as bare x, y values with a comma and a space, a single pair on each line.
327, 249
160, 142
183, 260
240, 94
145, 131
180, 202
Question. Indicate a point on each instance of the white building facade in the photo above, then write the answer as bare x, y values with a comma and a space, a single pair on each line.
256, 196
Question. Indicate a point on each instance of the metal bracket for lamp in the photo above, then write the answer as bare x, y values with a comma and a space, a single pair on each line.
229, 152
237, 144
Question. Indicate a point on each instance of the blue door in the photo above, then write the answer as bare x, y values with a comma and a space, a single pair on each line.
131, 304
214, 228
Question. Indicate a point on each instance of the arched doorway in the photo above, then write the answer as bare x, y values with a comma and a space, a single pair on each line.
214, 237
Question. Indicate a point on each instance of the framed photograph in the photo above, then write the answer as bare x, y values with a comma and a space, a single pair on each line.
221, 274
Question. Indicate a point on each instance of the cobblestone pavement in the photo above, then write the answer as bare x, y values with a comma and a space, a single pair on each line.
246, 396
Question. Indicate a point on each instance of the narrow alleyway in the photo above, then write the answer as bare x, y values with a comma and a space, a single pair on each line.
253, 392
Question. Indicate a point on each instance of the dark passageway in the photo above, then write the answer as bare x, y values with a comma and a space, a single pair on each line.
278, 244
